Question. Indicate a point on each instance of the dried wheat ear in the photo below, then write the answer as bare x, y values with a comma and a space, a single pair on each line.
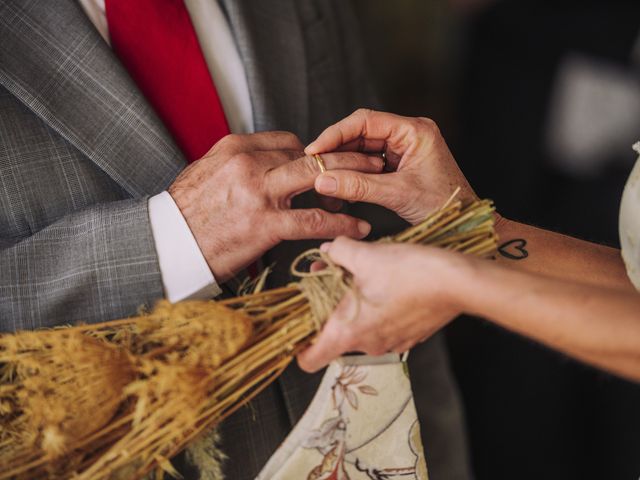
117, 400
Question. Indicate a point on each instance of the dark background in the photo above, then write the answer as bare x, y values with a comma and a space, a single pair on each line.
484, 70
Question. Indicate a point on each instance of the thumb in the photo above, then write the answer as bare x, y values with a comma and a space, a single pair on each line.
335, 338
329, 345
355, 186
346, 253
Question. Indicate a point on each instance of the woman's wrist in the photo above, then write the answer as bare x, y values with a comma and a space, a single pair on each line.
475, 282
457, 278
501, 224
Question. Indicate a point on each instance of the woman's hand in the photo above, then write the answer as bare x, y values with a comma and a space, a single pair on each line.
405, 293
423, 173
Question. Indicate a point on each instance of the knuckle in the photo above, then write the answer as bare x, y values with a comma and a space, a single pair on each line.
316, 220
309, 166
287, 140
359, 188
416, 128
273, 237
222, 145
293, 139
355, 159
339, 244
363, 112
427, 125
340, 160
229, 141
241, 163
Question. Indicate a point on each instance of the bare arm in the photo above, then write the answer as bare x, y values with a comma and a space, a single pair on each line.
408, 292
600, 326
422, 174
535, 250
566, 293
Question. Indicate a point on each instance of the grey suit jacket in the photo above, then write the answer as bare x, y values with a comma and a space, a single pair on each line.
81, 151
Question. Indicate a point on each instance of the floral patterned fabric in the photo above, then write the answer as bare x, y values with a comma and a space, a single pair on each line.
361, 425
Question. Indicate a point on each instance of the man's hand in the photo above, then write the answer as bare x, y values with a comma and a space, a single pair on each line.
237, 198
405, 293
423, 174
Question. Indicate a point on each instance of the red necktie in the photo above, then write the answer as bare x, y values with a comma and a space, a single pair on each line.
157, 44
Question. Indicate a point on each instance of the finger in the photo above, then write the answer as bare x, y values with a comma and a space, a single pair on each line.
333, 341
325, 246
275, 158
365, 145
315, 223
237, 143
321, 353
385, 190
402, 135
346, 252
317, 266
361, 144
298, 176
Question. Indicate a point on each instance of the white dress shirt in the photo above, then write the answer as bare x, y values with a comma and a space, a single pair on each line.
185, 272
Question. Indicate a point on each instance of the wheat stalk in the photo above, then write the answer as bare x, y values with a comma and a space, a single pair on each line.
120, 398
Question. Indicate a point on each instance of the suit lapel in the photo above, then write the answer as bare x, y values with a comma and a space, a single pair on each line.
56, 63
269, 39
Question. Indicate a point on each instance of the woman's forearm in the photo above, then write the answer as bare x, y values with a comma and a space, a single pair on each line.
572, 295
540, 251
600, 326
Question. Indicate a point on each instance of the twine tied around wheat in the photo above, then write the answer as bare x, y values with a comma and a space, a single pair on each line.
117, 400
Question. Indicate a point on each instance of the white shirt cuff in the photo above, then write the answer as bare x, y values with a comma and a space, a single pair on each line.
184, 270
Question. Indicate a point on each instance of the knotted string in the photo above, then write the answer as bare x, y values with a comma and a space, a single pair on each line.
325, 288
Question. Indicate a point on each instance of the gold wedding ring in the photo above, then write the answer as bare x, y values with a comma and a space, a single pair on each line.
320, 162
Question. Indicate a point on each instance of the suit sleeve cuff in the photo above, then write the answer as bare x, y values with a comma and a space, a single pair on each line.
184, 270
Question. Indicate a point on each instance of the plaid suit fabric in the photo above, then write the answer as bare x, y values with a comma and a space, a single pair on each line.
73, 222
81, 151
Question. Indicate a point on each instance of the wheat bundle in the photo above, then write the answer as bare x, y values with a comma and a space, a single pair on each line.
117, 400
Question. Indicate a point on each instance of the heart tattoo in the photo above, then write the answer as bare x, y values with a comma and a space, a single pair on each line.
514, 249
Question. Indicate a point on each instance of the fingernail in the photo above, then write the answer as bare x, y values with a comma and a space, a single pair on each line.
325, 247
310, 149
326, 184
364, 228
